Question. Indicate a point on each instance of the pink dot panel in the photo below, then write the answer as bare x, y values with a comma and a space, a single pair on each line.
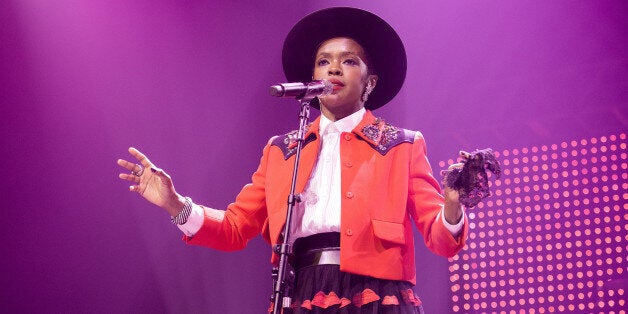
553, 237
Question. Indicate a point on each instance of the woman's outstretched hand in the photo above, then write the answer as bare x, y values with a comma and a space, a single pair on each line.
453, 209
151, 183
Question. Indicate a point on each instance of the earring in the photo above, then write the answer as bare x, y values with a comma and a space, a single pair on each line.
367, 92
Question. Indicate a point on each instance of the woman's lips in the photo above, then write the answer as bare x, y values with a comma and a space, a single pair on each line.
337, 84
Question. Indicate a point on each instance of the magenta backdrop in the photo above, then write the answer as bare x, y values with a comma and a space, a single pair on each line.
186, 82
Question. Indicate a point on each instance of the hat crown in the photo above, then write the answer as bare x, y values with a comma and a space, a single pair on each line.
379, 40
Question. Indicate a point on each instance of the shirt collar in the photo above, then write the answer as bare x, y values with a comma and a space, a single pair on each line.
346, 124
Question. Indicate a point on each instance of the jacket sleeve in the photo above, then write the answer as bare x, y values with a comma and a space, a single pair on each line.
425, 202
231, 229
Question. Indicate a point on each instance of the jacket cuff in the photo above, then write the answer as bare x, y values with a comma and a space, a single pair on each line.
194, 222
210, 221
454, 229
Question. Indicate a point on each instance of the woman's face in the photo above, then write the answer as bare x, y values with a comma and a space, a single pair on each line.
341, 61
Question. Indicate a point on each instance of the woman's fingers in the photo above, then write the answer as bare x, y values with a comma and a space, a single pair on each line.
454, 166
129, 177
136, 169
150, 182
140, 157
128, 165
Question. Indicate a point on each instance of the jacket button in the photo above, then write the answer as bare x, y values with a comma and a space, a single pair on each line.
347, 137
349, 194
349, 164
349, 232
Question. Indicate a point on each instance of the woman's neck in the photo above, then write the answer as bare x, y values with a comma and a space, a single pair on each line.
338, 113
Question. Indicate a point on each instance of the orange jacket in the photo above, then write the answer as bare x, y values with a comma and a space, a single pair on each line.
386, 184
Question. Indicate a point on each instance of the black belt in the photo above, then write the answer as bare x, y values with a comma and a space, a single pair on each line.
318, 249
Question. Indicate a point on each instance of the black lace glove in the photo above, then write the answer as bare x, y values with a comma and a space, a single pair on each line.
471, 181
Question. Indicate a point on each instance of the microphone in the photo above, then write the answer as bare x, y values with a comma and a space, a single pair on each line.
302, 90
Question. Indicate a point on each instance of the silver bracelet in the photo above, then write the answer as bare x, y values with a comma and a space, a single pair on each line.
183, 216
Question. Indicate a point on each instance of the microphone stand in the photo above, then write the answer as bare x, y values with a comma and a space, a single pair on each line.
280, 297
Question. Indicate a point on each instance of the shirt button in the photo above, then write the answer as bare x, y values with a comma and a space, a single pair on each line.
349, 232
347, 137
349, 164
349, 194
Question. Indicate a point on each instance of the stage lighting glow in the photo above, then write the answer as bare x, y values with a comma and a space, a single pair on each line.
553, 237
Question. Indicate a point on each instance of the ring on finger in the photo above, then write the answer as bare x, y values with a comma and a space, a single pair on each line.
139, 172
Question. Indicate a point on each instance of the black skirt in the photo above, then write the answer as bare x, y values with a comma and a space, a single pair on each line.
325, 289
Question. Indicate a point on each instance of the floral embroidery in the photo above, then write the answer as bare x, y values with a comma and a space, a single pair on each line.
384, 136
372, 131
288, 142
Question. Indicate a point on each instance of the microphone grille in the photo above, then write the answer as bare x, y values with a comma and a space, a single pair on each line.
276, 90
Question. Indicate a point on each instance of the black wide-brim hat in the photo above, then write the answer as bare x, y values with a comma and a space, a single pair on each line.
380, 41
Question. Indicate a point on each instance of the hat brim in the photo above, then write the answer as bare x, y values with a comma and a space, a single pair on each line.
380, 41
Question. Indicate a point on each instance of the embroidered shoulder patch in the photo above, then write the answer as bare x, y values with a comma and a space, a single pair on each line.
383, 136
288, 142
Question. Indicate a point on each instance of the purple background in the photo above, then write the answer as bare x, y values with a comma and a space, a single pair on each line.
186, 82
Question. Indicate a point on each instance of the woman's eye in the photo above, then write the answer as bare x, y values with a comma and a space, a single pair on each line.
322, 62
351, 62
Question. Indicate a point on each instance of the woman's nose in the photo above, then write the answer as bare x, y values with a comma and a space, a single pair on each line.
334, 69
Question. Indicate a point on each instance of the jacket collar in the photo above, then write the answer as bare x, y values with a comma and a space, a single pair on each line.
370, 128
381, 135
375, 131
345, 125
